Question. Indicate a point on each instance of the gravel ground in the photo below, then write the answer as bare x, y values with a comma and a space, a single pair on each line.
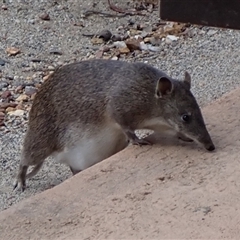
211, 56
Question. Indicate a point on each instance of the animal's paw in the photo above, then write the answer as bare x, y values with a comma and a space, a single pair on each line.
141, 142
19, 184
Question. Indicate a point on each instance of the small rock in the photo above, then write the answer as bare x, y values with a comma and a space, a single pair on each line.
17, 112
96, 40
60, 63
29, 90
56, 52
45, 16
19, 89
143, 46
19, 106
147, 40
155, 41
105, 35
133, 32
99, 54
161, 178
146, 31
9, 77
6, 105
3, 85
10, 109
29, 78
149, 47
32, 21
114, 58
124, 50
154, 48
140, 26
116, 37
36, 60
2, 62
22, 98
131, 21
79, 24
4, 7
6, 94
133, 44
105, 48
2, 115
201, 32
16, 78
51, 67
144, 34
172, 37
12, 51
211, 32
120, 44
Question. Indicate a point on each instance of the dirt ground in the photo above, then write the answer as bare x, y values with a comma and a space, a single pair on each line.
170, 190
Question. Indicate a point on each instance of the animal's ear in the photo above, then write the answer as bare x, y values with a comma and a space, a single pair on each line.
164, 87
187, 79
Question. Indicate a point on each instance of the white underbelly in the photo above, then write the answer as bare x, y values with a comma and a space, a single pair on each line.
91, 150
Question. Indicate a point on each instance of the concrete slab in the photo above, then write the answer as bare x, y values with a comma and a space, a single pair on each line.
169, 190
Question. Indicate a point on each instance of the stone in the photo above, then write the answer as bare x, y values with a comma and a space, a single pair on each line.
133, 44
120, 44
10, 109
3, 85
2, 62
22, 98
17, 112
96, 40
45, 16
30, 90
6, 94
12, 51
105, 35
56, 52
124, 50
6, 105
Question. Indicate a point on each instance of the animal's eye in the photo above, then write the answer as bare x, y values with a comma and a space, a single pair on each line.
185, 117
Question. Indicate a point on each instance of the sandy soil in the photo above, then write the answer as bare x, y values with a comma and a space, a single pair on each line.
171, 190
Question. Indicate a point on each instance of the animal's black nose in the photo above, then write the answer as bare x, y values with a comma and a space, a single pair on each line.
211, 148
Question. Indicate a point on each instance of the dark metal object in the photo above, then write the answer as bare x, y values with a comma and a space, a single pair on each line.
215, 13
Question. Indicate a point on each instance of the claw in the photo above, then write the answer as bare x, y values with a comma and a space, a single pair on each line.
141, 142
22, 184
21, 178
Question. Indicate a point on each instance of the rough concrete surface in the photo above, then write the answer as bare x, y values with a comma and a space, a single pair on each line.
170, 190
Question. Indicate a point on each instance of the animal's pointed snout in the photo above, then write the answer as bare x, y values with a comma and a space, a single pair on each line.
208, 144
210, 147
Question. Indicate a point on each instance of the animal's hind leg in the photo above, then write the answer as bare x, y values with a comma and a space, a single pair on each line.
21, 177
36, 159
